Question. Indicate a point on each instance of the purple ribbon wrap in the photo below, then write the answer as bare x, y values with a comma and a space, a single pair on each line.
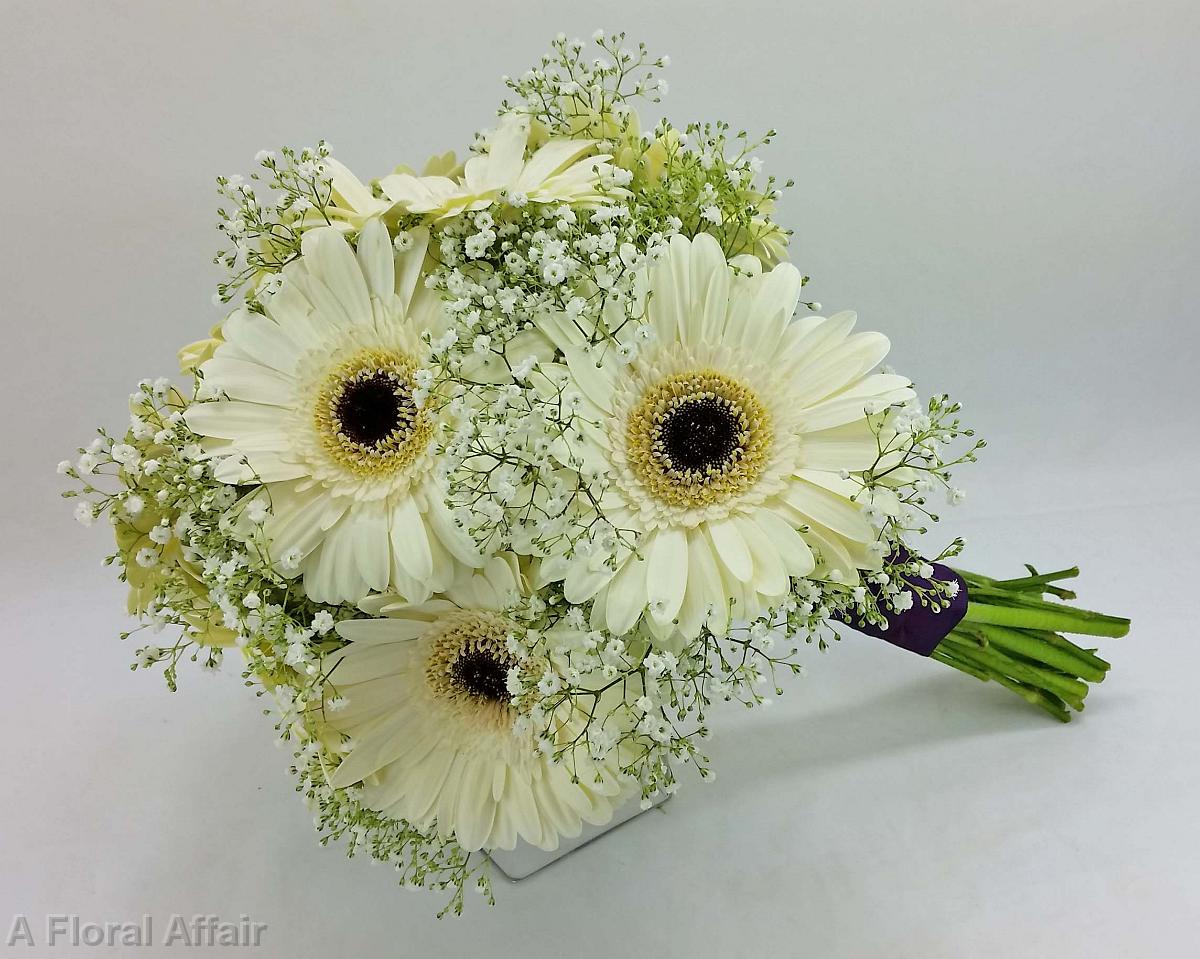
919, 629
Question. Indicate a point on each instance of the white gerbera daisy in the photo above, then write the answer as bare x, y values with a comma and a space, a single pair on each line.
723, 442
560, 171
428, 713
320, 403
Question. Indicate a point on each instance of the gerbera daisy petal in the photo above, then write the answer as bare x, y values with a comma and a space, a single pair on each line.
839, 514
560, 171
836, 561
258, 466
877, 391
705, 311
592, 377
372, 551
582, 581
350, 189
666, 572
233, 419
454, 538
338, 278
839, 366
410, 544
408, 268
731, 548
298, 521
376, 260
626, 596
367, 631
261, 339
552, 159
788, 542
775, 299
291, 310
770, 574
250, 381
705, 574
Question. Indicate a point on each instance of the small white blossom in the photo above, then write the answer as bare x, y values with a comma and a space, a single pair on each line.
148, 656
323, 622
125, 454
146, 557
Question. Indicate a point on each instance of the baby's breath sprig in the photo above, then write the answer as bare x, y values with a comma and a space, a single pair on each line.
264, 232
912, 463
705, 180
571, 95
495, 271
629, 697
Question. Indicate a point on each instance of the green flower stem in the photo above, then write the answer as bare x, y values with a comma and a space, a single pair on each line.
1052, 617
1037, 697
1030, 582
1086, 655
1012, 636
1037, 649
978, 647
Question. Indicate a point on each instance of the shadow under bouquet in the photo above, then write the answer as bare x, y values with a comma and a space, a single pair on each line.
497, 475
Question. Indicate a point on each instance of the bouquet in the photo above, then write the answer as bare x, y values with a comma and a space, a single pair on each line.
496, 476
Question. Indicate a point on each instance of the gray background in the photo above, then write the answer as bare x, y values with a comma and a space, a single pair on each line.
1008, 189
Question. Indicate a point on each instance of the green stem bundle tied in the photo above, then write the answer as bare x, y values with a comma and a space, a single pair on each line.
1013, 636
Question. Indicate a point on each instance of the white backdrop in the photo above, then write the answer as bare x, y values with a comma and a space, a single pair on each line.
1007, 188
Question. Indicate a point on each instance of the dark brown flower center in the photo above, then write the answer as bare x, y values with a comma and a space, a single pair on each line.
374, 407
482, 673
701, 435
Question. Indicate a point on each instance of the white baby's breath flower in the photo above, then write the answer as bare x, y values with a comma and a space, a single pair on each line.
148, 655
323, 622
257, 511
161, 534
146, 557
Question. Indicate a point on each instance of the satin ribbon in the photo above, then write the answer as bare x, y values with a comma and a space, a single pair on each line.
919, 629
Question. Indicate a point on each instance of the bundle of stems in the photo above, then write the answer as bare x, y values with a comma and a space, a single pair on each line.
1012, 635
